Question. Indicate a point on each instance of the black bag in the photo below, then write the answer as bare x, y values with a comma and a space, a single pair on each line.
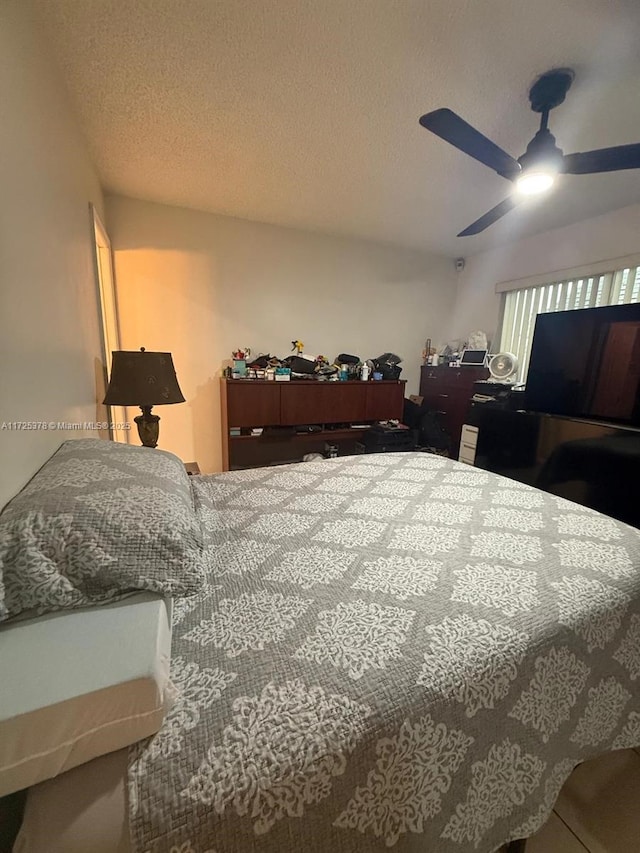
301, 365
345, 358
388, 371
388, 365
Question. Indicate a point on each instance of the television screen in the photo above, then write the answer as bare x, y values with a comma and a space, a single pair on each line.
586, 364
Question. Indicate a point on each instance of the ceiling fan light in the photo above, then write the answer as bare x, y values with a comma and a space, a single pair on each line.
535, 182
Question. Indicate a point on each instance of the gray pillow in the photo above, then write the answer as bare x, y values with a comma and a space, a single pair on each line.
98, 520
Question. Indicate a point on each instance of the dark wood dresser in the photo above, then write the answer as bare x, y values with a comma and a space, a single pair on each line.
280, 407
448, 390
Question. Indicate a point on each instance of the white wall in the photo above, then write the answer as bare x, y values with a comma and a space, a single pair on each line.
202, 285
612, 235
49, 334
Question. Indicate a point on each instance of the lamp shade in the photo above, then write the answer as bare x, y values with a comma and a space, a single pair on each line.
142, 379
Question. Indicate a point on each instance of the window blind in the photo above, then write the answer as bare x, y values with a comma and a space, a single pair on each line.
521, 307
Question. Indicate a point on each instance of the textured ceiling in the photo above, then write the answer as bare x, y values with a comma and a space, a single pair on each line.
305, 112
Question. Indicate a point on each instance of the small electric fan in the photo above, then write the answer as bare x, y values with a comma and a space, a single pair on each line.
503, 367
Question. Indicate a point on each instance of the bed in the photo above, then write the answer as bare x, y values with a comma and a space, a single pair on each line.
384, 651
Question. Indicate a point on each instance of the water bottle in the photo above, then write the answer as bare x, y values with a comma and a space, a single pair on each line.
364, 373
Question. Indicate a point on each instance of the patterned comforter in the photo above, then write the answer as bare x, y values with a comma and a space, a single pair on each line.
391, 651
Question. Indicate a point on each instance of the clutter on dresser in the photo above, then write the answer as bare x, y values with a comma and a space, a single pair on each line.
455, 353
300, 365
430, 353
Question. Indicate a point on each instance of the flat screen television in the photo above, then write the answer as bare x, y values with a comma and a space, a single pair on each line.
586, 364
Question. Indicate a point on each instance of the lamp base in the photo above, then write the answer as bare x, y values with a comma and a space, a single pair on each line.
148, 427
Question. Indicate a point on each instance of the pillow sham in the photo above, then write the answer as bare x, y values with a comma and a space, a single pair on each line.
98, 520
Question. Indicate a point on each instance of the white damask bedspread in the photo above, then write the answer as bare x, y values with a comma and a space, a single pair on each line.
391, 651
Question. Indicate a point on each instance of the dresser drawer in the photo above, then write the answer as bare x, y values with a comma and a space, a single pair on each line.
448, 390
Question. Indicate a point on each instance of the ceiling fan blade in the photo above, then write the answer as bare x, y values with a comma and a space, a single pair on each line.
456, 131
489, 218
603, 160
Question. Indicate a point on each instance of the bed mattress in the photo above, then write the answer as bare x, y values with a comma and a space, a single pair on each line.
86, 682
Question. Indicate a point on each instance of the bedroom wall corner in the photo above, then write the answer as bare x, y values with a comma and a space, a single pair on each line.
200, 285
50, 339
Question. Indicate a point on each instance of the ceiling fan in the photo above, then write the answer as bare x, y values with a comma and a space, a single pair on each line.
538, 167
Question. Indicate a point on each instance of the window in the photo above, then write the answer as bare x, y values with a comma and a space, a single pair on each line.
521, 307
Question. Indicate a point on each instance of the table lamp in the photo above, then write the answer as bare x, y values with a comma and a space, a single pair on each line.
144, 379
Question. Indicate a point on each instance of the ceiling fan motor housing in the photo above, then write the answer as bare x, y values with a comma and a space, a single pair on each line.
542, 150
550, 89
